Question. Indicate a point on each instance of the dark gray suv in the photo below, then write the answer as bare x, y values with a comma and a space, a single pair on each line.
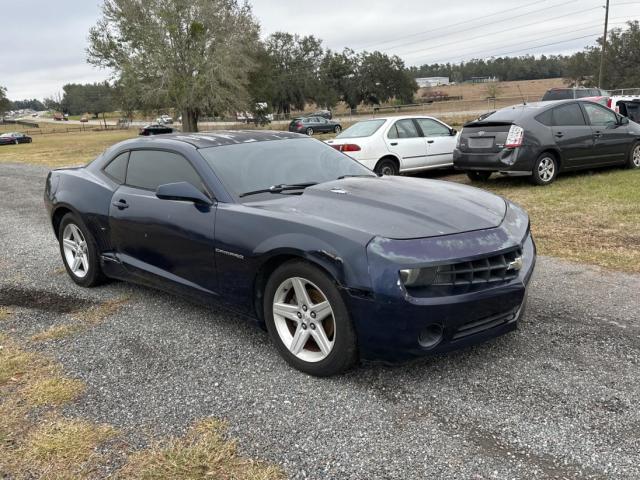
543, 139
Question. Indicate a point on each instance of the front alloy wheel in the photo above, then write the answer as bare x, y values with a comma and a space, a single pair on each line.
308, 320
310, 132
304, 319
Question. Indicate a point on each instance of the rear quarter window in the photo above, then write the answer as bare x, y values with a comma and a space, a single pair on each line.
546, 118
117, 168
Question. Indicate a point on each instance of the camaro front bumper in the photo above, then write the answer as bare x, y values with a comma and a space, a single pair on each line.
393, 325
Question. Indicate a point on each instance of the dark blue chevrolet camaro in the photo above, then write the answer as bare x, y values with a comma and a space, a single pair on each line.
337, 263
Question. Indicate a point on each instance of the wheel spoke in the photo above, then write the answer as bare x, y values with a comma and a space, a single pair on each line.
77, 260
286, 310
302, 296
299, 340
321, 339
85, 262
69, 243
322, 310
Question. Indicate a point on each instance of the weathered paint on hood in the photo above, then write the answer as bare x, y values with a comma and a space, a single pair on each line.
395, 207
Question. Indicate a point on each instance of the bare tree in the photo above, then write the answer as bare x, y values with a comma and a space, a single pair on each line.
195, 55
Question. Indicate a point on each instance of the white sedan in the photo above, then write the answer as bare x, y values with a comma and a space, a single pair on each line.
394, 145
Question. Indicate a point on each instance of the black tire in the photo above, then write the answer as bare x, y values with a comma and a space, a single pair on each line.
94, 275
479, 176
344, 353
545, 169
634, 156
337, 130
309, 131
387, 166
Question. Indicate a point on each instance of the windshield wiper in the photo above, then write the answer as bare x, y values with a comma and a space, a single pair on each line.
279, 188
354, 176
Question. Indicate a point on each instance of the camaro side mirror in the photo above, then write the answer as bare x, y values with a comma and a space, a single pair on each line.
454, 132
182, 191
624, 121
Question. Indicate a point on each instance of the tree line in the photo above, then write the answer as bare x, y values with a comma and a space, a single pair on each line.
621, 68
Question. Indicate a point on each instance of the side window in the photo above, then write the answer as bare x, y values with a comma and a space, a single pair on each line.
431, 128
406, 129
117, 168
600, 116
568, 115
393, 131
546, 118
583, 93
151, 168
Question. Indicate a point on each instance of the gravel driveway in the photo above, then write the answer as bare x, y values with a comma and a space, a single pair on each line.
559, 398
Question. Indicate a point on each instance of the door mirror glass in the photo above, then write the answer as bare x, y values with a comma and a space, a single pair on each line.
624, 121
183, 191
454, 132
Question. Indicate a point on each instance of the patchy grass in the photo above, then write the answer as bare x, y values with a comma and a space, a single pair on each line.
53, 389
64, 149
61, 448
36, 441
584, 217
202, 453
4, 313
56, 332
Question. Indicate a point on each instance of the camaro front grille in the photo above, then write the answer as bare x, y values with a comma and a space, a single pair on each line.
495, 268
477, 326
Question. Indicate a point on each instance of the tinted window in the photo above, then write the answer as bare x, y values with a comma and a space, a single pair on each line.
431, 128
583, 93
558, 94
362, 129
568, 115
151, 168
600, 116
117, 168
253, 166
546, 118
403, 129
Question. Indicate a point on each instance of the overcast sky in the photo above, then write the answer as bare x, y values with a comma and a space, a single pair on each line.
45, 41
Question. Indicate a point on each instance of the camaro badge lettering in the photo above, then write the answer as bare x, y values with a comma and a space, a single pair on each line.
231, 254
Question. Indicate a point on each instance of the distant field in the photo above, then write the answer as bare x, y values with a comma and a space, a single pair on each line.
532, 90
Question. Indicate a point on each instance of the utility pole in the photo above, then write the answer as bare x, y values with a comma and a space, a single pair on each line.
604, 44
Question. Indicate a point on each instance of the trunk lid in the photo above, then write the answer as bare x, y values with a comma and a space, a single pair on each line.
484, 137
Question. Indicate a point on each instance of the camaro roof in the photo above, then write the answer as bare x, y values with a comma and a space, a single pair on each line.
224, 137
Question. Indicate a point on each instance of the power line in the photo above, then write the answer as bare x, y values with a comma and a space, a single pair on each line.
470, 54
501, 12
562, 4
501, 31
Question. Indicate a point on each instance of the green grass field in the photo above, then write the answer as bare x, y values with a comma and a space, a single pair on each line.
591, 217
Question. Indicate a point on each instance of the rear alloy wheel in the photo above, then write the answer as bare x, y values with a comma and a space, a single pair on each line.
16, 141
308, 320
310, 131
479, 176
337, 130
79, 252
634, 157
386, 166
545, 170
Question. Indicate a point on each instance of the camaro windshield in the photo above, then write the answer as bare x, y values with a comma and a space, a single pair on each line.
249, 167
362, 129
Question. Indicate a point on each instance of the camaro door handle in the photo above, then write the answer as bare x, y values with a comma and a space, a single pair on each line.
393, 144
121, 204
597, 134
559, 134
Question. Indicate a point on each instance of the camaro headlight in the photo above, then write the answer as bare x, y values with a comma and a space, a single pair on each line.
418, 277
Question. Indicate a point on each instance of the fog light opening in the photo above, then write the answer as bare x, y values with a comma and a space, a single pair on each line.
431, 336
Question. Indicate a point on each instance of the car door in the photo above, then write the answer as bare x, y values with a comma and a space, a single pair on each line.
611, 140
440, 142
166, 242
405, 141
572, 135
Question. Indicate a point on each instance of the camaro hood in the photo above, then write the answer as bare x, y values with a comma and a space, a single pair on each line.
395, 207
